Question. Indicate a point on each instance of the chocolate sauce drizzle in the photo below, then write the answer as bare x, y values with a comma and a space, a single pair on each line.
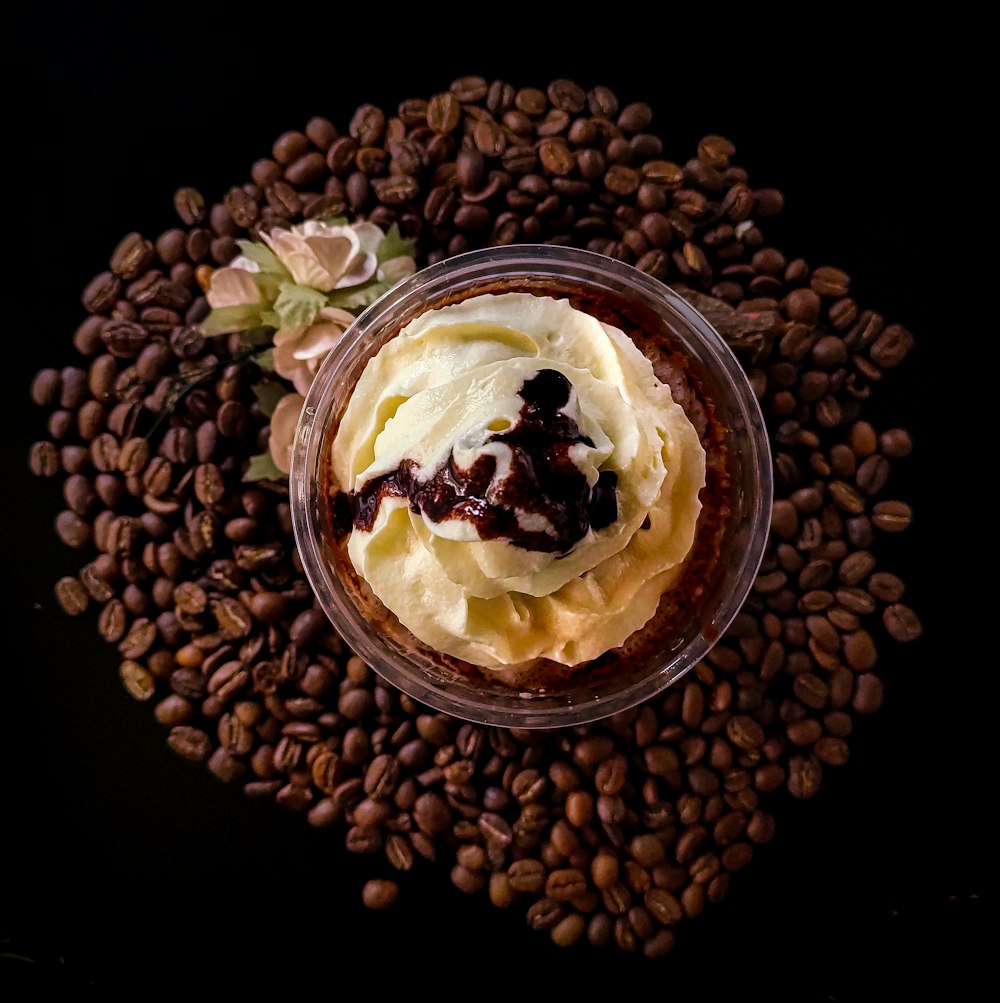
543, 480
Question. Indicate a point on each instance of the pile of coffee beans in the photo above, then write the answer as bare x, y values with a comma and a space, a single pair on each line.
612, 832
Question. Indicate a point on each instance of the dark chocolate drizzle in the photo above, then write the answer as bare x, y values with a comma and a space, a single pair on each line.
543, 480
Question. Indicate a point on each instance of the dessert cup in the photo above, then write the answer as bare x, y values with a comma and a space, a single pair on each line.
619, 682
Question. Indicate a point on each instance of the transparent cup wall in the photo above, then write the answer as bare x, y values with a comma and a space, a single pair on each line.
393, 652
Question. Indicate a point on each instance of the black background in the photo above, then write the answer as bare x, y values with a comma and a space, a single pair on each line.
138, 869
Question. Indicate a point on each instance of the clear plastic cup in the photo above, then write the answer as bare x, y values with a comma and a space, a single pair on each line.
387, 646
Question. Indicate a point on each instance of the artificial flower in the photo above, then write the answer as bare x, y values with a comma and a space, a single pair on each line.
326, 256
284, 422
300, 351
234, 285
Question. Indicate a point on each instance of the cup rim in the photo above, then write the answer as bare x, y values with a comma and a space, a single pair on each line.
575, 706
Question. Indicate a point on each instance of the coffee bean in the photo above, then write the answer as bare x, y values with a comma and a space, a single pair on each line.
803, 305
321, 133
830, 282
137, 680
526, 875
379, 894
112, 621
868, 693
556, 156
231, 420
189, 743
715, 151
568, 930
71, 595
804, 777
635, 117
44, 459
544, 914
892, 516
621, 181
306, 170
190, 206
489, 138
745, 733
855, 567
102, 292
895, 443
901, 622
443, 113
289, 146
133, 255
891, 346
138, 640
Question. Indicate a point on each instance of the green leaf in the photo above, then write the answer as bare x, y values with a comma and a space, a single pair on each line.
268, 318
256, 337
298, 305
358, 297
262, 256
268, 394
268, 283
394, 245
262, 468
265, 359
227, 319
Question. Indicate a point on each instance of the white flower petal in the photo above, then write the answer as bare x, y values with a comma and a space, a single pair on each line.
232, 287
285, 363
369, 235
288, 334
318, 341
361, 270
337, 315
275, 237
244, 263
284, 423
333, 254
318, 228
307, 271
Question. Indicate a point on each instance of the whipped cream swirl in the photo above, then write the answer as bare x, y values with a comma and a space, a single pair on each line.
521, 485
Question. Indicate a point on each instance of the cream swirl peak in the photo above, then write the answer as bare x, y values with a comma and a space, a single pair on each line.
517, 482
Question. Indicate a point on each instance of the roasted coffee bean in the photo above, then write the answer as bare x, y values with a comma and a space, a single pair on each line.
124, 340
209, 486
102, 293
443, 113
71, 595
44, 459
190, 206
867, 694
189, 743
137, 680
111, 622
892, 516
805, 774
380, 894
635, 117
133, 255
830, 282
46, 385
902, 623
556, 156
526, 875
891, 346
895, 443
